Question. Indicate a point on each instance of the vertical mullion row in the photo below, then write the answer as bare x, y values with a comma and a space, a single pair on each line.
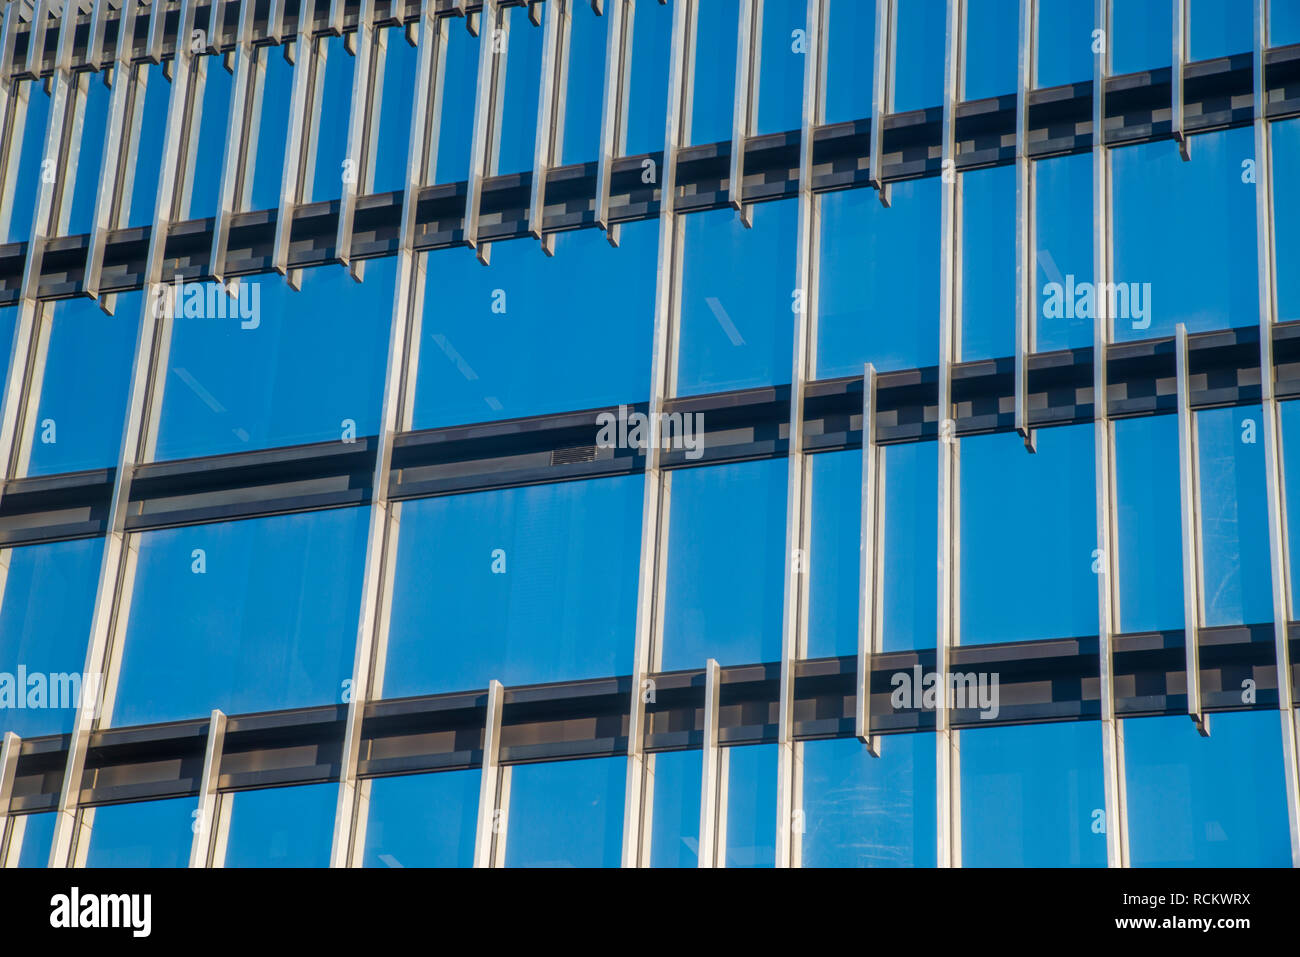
744, 111
95, 39
882, 94
371, 46
1104, 468
1026, 220
211, 826
13, 116
494, 787
639, 792
36, 30
1279, 553
494, 43
789, 798
713, 786
1189, 486
613, 116
118, 562
948, 750
550, 113
395, 416
871, 560
1178, 65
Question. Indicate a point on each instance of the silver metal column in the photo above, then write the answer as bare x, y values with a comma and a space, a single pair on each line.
713, 784
1026, 218
494, 788
10, 842
208, 824
488, 104
613, 116
1178, 64
744, 112
882, 93
871, 561
363, 131
551, 97
1189, 485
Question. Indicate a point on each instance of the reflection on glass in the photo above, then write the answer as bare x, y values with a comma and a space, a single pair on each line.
1142, 32
781, 66
211, 147
566, 814
267, 165
833, 553
143, 834
456, 130
1220, 28
1063, 229
751, 806
423, 820
647, 116
850, 55
678, 781
27, 153
149, 148
991, 42
1285, 136
282, 827
1149, 532
988, 263
714, 93
1289, 413
85, 187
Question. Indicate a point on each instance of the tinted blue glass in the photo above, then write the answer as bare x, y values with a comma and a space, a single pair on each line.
277, 94
1063, 201
850, 55
1289, 413
991, 42
302, 367
911, 546
519, 114
282, 827
751, 806
1206, 802
781, 65
918, 55
211, 148
1142, 36
1175, 219
144, 834
738, 301
833, 554
423, 820
85, 187
30, 149
336, 101
988, 262
566, 814
726, 538
652, 30
1032, 796
395, 112
1237, 579
714, 93
861, 811
247, 616
82, 406
148, 152
38, 836
533, 334
1052, 559
582, 106
49, 596
1286, 217
524, 585
878, 292
678, 781
1064, 42
460, 79
1284, 22
1149, 524
1219, 28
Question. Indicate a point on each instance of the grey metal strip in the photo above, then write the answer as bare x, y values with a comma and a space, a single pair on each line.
300, 143
1190, 508
1178, 66
363, 122
713, 811
882, 93
871, 559
490, 831
207, 818
613, 117
489, 97
552, 89
1026, 218
744, 111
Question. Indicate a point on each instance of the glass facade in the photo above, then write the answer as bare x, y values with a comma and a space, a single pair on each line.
519, 450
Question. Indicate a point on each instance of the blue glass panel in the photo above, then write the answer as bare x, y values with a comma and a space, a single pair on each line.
1174, 220
84, 391
652, 30
751, 806
726, 538
1032, 796
423, 820
714, 94
495, 347
1141, 35
1149, 524
588, 37
524, 585
992, 39
263, 618
149, 147
878, 291
1286, 216
737, 312
918, 55
1206, 802
85, 186
781, 66
49, 596
30, 150
38, 837
282, 827
566, 814
1284, 22
1237, 585
678, 781
1289, 413
395, 112
1219, 28
988, 262
519, 113
460, 81
336, 101
1064, 42
861, 811
833, 553
144, 834
211, 149
1052, 557
302, 367
1063, 201
850, 59
267, 166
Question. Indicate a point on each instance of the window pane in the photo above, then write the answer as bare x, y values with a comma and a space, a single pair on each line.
1206, 802
27, 152
282, 827
460, 79
588, 37
1032, 796
988, 263
519, 112
37, 839
148, 154
918, 54
1286, 216
395, 112
714, 93
1051, 556
850, 58
1142, 35
267, 165
726, 536
246, 616
211, 149
566, 814
85, 186
737, 315
678, 781
781, 66
751, 806
1149, 534
423, 820
834, 553
336, 101
1064, 42
1289, 413
525, 585
1220, 28
647, 117
862, 811
992, 39
1063, 200
49, 597
143, 834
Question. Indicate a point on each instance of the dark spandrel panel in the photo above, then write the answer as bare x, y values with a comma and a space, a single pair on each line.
272, 128
143, 834
833, 554
1064, 42
533, 334
919, 54
274, 367
523, 48
149, 148
1285, 136
49, 597
1053, 558
1148, 524
1063, 229
244, 616
37, 838
678, 783
878, 291
988, 263
28, 152
566, 814
282, 827
85, 185
1206, 802
861, 811
652, 30
215, 110
992, 38
1237, 578
84, 391
1142, 35
422, 820
725, 539
1223, 27
738, 299
781, 65
850, 57
1032, 796
588, 37
524, 585
714, 93
395, 111
1184, 237
751, 806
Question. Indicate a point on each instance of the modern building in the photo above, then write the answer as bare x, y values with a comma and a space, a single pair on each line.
621, 432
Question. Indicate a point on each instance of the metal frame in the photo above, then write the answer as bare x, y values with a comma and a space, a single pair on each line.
1026, 221
714, 776
882, 93
1189, 483
871, 561
1177, 71
552, 92
488, 105
744, 112
371, 48
211, 827
494, 789
613, 118
11, 835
